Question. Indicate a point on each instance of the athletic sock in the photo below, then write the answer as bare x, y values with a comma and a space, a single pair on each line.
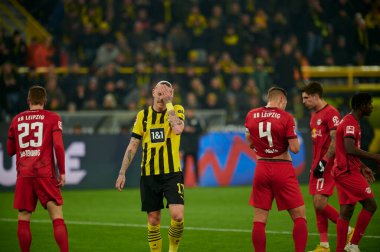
364, 218
175, 234
60, 234
24, 235
331, 213
341, 231
322, 225
154, 238
300, 234
258, 236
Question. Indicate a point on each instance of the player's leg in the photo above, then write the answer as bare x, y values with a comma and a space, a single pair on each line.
324, 212
300, 232
59, 226
154, 231
260, 217
364, 217
152, 203
23, 230
176, 226
175, 194
25, 200
346, 211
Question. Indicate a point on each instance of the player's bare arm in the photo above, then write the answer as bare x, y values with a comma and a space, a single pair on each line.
349, 145
367, 172
248, 138
175, 122
331, 150
127, 160
294, 145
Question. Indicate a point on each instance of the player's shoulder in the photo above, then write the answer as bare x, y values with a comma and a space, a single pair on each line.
51, 115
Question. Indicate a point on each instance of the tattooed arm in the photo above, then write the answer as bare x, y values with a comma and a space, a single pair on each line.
127, 160
176, 123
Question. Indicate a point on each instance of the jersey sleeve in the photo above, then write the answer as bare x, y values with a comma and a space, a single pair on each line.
57, 123
333, 119
290, 127
11, 143
349, 130
138, 130
180, 111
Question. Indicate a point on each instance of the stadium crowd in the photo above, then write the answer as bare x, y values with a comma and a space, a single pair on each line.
169, 39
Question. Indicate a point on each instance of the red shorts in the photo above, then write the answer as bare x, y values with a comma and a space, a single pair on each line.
324, 185
352, 188
29, 190
275, 179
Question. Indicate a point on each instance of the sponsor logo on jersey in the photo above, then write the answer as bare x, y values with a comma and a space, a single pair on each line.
350, 130
319, 121
335, 120
368, 190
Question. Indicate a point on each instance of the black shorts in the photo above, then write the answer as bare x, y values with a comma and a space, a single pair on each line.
154, 188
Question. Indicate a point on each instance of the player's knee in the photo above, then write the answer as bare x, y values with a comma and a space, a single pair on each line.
177, 217
371, 206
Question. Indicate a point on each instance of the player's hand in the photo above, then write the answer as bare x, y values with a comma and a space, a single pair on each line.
320, 169
368, 174
61, 180
120, 182
167, 94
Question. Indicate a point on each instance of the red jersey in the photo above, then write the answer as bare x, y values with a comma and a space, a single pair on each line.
270, 129
321, 123
348, 127
31, 136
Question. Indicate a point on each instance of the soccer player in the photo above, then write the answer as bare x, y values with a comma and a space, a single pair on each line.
351, 175
33, 136
324, 120
270, 131
159, 128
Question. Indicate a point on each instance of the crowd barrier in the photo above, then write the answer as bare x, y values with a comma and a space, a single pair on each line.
93, 161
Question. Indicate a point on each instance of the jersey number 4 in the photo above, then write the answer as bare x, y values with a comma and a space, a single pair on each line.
35, 128
266, 133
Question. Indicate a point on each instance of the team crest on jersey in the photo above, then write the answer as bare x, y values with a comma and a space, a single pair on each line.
60, 125
319, 121
350, 130
368, 190
335, 120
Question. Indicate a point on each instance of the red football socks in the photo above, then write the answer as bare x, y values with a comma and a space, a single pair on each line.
60, 234
24, 235
364, 218
341, 230
331, 213
258, 236
322, 225
328, 213
300, 234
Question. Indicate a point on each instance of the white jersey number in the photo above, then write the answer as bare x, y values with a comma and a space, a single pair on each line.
35, 128
266, 133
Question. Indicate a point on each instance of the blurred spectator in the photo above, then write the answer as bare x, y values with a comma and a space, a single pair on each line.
10, 87
18, 50
43, 54
106, 53
190, 141
197, 23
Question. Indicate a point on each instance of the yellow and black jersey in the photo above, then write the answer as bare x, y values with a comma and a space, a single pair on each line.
160, 145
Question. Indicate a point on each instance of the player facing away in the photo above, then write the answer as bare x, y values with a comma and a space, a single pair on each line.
352, 177
34, 136
159, 128
270, 131
323, 122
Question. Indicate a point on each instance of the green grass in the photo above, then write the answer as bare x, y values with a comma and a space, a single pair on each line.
211, 208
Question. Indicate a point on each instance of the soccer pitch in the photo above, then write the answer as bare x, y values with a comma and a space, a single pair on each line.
216, 219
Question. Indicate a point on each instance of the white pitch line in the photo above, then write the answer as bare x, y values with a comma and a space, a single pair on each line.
112, 224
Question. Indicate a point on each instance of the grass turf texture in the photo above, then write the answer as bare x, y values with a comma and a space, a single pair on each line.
216, 219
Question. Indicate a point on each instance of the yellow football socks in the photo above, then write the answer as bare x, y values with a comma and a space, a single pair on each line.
175, 234
154, 238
